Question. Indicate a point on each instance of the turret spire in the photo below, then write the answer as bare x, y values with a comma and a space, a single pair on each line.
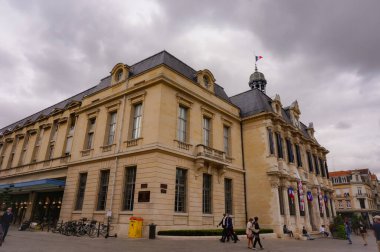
257, 80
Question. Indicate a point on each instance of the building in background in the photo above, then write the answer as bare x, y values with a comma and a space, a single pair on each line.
356, 192
164, 142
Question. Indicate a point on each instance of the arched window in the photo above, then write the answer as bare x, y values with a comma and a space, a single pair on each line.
206, 81
119, 75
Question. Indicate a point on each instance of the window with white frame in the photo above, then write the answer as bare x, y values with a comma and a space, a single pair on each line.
359, 191
182, 124
90, 133
111, 128
348, 203
226, 140
206, 131
70, 135
340, 204
137, 119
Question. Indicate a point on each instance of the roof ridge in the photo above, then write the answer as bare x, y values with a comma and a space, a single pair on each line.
25, 118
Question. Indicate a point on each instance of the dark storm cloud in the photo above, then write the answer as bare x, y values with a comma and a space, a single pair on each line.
322, 53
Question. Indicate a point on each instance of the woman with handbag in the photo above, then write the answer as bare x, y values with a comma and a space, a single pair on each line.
249, 233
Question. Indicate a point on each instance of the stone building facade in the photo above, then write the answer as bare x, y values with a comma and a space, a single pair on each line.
164, 142
356, 193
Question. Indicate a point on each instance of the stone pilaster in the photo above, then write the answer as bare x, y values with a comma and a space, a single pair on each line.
316, 212
276, 216
285, 185
296, 204
307, 215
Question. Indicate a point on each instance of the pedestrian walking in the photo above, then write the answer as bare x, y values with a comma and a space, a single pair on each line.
230, 230
6, 221
348, 230
256, 234
376, 229
249, 232
363, 232
223, 223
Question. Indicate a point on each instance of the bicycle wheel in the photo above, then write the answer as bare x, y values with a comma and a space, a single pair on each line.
92, 231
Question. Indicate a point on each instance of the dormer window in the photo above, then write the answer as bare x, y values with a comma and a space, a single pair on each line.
119, 75
206, 81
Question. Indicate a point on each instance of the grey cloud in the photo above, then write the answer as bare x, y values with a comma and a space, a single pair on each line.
322, 53
343, 125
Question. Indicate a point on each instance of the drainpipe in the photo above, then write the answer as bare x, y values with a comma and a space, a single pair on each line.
245, 183
118, 147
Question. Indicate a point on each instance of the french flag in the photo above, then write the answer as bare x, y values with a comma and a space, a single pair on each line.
258, 58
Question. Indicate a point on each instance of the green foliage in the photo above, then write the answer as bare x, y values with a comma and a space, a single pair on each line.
337, 228
205, 232
355, 220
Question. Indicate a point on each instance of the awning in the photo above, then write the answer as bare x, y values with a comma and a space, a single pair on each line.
35, 185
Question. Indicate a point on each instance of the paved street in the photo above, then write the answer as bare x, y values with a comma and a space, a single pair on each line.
43, 241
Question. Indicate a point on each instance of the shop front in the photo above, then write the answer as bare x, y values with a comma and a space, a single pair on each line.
37, 200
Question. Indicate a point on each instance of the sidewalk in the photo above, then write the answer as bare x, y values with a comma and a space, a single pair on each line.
20, 241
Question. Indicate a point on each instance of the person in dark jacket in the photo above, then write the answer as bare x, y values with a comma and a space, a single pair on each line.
256, 234
223, 223
6, 221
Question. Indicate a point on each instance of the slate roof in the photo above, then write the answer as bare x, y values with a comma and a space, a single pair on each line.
161, 58
254, 101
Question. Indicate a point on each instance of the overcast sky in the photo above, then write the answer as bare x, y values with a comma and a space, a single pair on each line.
325, 54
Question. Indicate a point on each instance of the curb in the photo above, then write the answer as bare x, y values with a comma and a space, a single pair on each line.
241, 237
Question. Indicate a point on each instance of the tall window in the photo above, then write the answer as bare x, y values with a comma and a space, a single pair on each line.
270, 141
103, 189
180, 190
327, 169
90, 133
81, 189
228, 195
11, 159
281, 199
24, 149
279, 145
322, 168
55, 131
206, 195
137, 117
362, 203
292, 205
130, 182
298, 156
340, 203
310, 161
316, 165
50, 152
289, 149
182, 124
36, 150
302, 212
226, 139
70, 134
111, 128
206, 131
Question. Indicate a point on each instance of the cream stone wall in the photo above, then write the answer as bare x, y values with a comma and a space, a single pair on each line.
156, 154
265, 173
